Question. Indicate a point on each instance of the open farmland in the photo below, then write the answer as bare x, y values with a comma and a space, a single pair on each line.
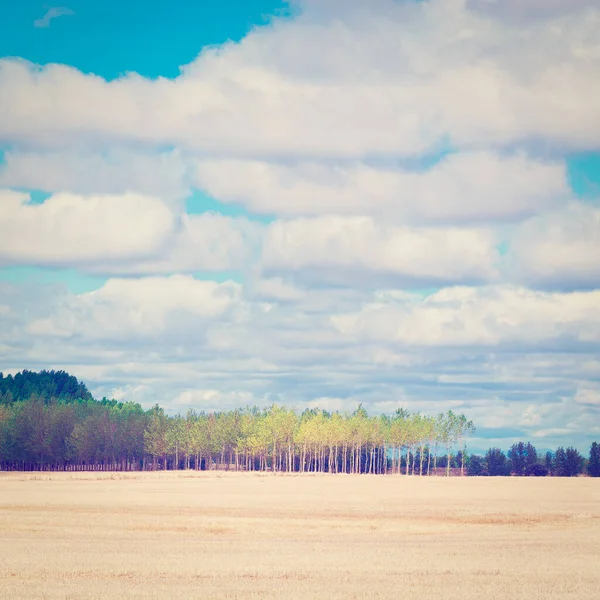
248, 535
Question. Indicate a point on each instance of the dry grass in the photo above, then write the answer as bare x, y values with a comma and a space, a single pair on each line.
226, 535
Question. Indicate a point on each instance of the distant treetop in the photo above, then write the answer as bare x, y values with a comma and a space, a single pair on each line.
45, 385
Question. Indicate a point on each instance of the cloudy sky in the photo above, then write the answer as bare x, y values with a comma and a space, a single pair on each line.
322, 203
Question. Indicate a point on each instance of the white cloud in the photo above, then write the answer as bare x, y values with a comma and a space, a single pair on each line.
331, 404
277, 289
51, 14
558, 249
68, 229
588, 397
121, 234
215, 400
344, 248
529, 9
204, 242
478, 186
547, 424
125, 309
117, 171
489, 316
400, 80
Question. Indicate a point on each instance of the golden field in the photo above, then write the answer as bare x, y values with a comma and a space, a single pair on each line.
248, 535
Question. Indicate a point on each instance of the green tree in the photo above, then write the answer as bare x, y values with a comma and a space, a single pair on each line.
155, 436
522, 457
593, 467
60, 426
496, 463
463, 428
174, 439
560, 463
549, 461
45, 385
573, 462
449, 425
476, 466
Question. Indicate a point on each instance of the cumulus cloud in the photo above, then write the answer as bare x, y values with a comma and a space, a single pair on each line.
461, 187
345, 248
588, 397
84, 171
277, 289
69, 229
216, 400
121, 234
403, 79
501, 317
140, 308
204, 242
488, 316
558, 249
531, 9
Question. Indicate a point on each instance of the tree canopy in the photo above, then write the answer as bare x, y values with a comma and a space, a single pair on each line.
47, 385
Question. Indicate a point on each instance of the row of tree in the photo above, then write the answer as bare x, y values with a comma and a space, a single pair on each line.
39, 434
278, 439
60, 426
522, 459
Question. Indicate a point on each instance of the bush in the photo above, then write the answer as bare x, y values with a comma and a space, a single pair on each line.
536, 471
476, 466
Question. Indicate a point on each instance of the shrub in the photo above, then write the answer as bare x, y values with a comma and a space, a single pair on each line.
536, 470
476, 466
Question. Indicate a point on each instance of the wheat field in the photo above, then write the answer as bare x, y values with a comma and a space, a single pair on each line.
248, 535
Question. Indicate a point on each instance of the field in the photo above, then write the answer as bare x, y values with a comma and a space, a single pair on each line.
228, 535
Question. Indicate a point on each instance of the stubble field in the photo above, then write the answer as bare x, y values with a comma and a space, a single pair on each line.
228, 535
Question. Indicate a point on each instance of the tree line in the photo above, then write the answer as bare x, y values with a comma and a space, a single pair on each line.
522, 459
59, 426
109, 435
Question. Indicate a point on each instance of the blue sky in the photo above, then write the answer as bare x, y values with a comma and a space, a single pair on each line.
213, 204
148, 37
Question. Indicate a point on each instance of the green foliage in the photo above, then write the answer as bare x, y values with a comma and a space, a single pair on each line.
476, 466
522, 458
155, 434
574, 462
593, 467
536, 470
496, 463
559, 463
549, 461
567, 463
47, 385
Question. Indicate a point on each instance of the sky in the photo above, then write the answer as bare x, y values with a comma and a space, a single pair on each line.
317, 203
